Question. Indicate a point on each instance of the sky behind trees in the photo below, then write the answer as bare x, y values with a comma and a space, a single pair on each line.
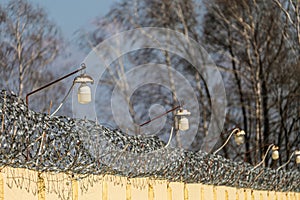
72, 16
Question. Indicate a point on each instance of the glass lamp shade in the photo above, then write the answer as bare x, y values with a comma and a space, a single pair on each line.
239, 139
297, 153
298, 159
183, 124
84, 94
275, 155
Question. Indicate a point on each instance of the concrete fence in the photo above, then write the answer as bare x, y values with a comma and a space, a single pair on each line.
17, 183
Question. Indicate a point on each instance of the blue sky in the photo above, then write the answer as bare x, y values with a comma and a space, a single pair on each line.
71, 15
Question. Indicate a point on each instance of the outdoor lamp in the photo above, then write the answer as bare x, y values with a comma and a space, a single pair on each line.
275, 153
297, 154
239, 137
84, 91
183, 122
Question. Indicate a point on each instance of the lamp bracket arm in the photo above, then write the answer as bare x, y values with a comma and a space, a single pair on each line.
53, 82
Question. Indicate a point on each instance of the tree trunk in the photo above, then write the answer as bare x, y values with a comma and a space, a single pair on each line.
258, 114
242, 102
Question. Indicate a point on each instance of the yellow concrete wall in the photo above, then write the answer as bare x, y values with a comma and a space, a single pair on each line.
16, 183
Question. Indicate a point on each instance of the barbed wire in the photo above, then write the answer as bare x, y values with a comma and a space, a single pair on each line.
81, 148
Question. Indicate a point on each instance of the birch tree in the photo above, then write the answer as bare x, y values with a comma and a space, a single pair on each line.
29, 43
250, 42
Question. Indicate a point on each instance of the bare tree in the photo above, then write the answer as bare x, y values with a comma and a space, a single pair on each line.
291, 11
249, 39
29, 43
